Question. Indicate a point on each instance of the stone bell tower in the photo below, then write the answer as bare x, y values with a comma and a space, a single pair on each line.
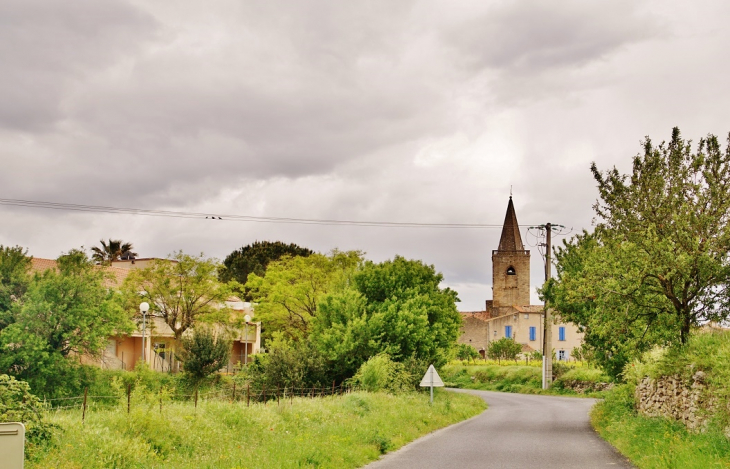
510, 267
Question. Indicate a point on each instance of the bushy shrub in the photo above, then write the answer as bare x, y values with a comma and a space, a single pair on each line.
17, 404
287, 364
203, 353
380, 373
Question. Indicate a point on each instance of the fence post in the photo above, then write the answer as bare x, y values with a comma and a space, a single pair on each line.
83, 412
196, 398
264, 392
248, 395
233, 396
160, 400
333, 387
277, 394
129, 396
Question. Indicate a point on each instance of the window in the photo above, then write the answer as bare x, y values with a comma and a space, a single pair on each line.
561, 333
533, 332
508, 331
561, 355
511, 271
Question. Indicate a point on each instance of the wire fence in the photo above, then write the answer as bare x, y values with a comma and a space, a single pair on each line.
236, 395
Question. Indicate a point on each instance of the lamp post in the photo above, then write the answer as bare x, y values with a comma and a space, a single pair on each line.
246, 318
143, 308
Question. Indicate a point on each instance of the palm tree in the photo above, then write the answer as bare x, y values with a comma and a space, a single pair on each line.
112, 251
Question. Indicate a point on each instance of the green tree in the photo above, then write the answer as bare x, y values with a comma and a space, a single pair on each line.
395, 307
114, 250
14, 279
504, 349
657, 263
289, 292
65, 312
203, 352
255, 258
183, 290
465, 352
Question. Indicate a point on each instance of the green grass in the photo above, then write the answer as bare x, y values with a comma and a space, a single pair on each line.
518, 379
338, 432
656, 442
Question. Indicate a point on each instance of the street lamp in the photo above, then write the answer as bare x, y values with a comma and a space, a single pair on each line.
143, 308
246, 318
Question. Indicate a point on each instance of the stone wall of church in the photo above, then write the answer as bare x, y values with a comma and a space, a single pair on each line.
474, 330
510, 290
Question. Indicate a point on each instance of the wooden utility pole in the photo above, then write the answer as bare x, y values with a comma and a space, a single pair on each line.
547, 347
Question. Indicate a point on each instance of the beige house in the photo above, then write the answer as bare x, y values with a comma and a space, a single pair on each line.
509, 313
125, 351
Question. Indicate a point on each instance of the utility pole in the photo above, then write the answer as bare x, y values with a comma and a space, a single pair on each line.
547, 348
547, 341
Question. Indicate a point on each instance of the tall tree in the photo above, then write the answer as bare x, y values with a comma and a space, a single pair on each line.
14, 267
114, 250
395, 307
289, 292
182, 289
657, 264
254, 258
65, 312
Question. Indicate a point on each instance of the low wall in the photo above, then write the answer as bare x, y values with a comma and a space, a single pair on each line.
670, 396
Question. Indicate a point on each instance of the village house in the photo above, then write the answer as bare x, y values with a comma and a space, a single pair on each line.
509, 312
126, 351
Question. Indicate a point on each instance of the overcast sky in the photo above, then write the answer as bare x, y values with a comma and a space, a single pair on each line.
407, 111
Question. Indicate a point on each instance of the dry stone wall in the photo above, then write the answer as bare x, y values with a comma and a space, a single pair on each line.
673, 397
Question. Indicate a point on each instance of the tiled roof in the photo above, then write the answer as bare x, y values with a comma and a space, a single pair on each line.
483, 315
530, 308
40, 265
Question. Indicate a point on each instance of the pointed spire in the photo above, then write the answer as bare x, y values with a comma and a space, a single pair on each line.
511, 239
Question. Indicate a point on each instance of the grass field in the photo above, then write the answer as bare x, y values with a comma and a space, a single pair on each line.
333, 432
656, 443
516, 378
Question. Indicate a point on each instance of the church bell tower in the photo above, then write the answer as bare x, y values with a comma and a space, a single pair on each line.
510, 267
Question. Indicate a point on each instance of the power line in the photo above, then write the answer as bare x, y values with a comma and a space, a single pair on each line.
233, 217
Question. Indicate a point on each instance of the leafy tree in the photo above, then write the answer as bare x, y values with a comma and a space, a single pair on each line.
657, 263
182, 290
395, 307
65, 312
504, 349
288, 364
254, 258
465, 352
203, 353
290, 290
114, 250
14, 279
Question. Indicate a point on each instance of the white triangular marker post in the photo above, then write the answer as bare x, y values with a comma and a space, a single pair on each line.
431, 379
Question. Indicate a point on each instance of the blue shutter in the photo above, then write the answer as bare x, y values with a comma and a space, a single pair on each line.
561, 332
532, 332
508, 331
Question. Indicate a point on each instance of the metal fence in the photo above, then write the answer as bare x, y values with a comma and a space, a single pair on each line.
236, 395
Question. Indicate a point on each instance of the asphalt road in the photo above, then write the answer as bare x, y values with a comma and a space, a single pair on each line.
517, 431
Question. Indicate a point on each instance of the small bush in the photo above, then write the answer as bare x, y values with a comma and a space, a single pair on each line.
380, 373
17, 404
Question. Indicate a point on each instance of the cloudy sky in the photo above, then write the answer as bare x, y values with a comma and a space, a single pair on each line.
407, 111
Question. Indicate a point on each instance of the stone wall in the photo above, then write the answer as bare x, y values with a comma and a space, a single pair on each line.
675, 398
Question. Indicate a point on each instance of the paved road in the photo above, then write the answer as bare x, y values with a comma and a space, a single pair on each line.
517, 431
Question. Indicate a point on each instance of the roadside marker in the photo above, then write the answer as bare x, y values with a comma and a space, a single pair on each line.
431, 379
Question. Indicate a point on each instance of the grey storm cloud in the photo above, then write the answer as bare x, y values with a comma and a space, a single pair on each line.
422, 110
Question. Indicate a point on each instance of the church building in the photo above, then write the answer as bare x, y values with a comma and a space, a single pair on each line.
509, 312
